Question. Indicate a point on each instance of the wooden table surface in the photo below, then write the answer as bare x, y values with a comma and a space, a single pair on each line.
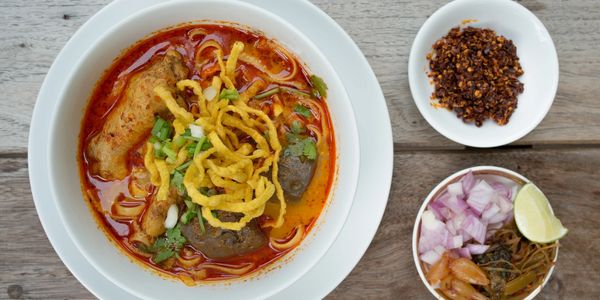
562, 155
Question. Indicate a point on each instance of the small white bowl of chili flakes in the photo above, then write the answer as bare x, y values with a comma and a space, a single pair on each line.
483, 73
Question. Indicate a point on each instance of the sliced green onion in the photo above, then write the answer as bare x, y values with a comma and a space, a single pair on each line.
153, 139
164, 133
191, 148
189, 215
302, 110
201, 223
319, 86
297, 127
158, 125
207, 192
199, 146
179, 141
230, 94
268, 93
189, 203
294, 91
166, 149
184, 166
206, 145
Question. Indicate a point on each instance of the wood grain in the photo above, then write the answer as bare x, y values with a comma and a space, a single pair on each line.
569, 177
384, 30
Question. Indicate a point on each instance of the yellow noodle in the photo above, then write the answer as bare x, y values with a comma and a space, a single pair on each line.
207, 44
179, 112
189, 263
150, 166
236, 49
197, 89
229, 270
130, 212
298, 234
234, 167
165, 178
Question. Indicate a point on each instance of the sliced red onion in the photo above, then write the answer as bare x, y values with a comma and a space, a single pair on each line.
480, 196
501, 189
468, 181
477, 249
451, 228
454, 242
455, 189
465, 235
433, 232
455, 204
464, 252
490, 212
440, 250
430, 257
504, 203
474, 228
436, 209
497, 218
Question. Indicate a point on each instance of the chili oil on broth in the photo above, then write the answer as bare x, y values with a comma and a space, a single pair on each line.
110, 198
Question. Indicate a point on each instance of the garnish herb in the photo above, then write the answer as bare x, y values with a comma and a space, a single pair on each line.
297, 127
319, 86
161, 129
294, 91
177, 181
268, 93
302, 110
166, 246
310, 149
301, 147
230, 94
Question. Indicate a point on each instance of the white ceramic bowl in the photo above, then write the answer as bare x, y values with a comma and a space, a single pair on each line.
537, 57
64, 176
498, 174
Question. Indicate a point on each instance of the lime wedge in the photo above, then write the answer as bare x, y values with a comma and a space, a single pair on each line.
535, 218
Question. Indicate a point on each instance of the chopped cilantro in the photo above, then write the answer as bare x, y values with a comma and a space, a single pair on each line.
298, 146
166, 246
177, 181
319, 86
310, 149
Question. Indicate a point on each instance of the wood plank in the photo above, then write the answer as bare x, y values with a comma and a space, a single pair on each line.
568, 176
384, 30
30, 267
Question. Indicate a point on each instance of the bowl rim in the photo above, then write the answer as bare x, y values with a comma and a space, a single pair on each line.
354, 158
422, 105
487, 170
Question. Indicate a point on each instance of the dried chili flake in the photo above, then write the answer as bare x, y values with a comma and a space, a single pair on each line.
475, 73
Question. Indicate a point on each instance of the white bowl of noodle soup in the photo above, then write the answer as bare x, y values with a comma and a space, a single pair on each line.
76, 215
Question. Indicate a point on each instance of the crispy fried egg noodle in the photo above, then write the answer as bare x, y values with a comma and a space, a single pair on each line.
239, 169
